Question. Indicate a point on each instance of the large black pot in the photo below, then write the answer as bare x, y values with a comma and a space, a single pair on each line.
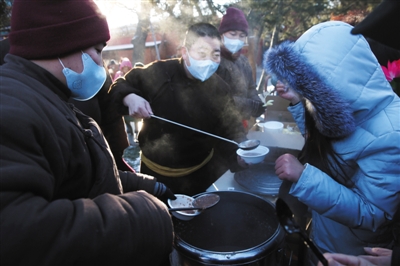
242, 229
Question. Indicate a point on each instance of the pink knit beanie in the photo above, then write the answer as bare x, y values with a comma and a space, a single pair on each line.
125, 63
50, 28
234, 19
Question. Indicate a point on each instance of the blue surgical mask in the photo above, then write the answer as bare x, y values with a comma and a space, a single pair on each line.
201, 69
233, 45
87, 84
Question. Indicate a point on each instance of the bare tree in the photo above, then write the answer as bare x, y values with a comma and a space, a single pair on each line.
142, 30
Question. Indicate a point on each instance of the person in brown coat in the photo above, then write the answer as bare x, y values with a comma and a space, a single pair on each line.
235, 69
187, 91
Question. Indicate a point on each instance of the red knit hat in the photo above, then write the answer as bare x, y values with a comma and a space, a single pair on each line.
234, 19
51, 28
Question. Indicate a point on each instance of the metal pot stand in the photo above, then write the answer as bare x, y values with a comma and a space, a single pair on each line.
259, 179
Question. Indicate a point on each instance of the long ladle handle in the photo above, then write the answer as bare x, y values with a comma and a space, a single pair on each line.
195, 129
314, 248
185, 209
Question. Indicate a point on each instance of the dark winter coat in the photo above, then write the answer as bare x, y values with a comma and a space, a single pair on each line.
238, 74
112, 124
97, 108
61, 193
203, 105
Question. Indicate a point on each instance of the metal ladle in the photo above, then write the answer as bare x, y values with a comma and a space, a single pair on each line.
200, 203
245, 145
285, 217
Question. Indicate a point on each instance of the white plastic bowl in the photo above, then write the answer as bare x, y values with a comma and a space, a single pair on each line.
180, 202
254, 156
273, 126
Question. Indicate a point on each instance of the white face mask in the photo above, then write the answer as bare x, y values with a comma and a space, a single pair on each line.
233, 45
87, 84
201, 69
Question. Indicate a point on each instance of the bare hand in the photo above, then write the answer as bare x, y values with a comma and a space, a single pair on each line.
379, 256
287, 93
287, 167
335, 259
138, 106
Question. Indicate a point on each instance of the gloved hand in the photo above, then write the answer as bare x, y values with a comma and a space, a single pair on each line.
162, 192
257, 108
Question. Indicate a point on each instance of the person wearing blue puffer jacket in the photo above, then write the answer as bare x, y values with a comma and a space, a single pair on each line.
348, 170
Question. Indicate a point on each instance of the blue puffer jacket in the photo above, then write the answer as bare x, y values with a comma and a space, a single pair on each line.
352, 101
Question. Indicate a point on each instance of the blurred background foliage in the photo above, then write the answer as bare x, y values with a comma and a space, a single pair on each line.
270, 20
5, 13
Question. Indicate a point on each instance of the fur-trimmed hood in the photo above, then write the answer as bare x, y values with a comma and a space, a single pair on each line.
336, 73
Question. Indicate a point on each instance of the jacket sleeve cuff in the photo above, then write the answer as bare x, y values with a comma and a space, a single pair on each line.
301, 183
137, 181
119, 90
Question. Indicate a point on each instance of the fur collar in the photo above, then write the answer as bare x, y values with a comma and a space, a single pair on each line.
225, 53
332, 114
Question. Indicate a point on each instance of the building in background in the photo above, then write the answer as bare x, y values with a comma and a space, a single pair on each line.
120, 45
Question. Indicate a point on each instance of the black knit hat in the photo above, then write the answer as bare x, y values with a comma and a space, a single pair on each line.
51, 28
234, 19
382, 24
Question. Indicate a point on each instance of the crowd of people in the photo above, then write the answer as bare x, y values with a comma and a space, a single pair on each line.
69, 198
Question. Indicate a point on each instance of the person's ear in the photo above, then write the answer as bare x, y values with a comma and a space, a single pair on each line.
185, 56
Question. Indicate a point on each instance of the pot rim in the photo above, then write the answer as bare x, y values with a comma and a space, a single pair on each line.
239, 256
255, 253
